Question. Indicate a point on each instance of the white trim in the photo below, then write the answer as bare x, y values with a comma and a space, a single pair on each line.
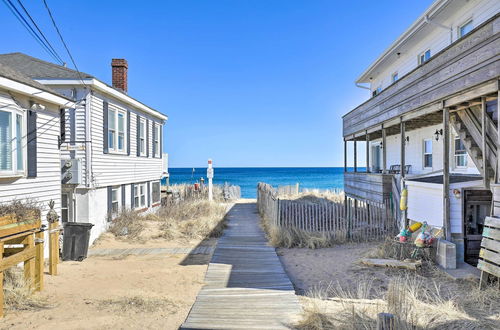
105, 89
138, 186
424, 153
419, 23
24, 89
142, 137
114, 149
15, 172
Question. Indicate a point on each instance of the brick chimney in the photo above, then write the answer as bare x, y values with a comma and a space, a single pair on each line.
119, 68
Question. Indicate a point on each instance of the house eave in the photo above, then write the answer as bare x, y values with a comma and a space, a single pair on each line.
104, 88
36, 93
414, 28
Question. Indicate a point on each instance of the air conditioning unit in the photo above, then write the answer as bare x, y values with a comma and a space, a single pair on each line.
71, 171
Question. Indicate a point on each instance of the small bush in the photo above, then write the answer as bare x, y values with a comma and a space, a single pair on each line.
294, 237
192, 219
22, 210
127, 224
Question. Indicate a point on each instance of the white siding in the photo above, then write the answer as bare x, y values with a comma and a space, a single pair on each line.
414, 151
425, 203
115, 169
47, 184
436, 38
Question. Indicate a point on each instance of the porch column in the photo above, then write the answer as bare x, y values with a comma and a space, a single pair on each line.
355, 156
446, 173
345, 155
402, 129
367, 152
498, 136
486, 182
384, 152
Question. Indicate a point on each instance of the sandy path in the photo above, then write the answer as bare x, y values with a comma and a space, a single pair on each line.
116, 292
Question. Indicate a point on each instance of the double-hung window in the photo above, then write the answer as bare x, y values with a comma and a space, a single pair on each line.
156, 142
428, 153
460, 153
140, 195
142, 137
465, 28
115, 196
424, 56
116, 130
12, 151
155, 190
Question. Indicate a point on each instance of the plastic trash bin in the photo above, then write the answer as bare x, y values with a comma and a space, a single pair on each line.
76, 239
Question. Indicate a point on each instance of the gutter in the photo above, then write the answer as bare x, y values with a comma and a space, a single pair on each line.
361, 86
102, 87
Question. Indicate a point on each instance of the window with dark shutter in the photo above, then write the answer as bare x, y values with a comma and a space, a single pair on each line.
31, 145
110, 202
123, 196
149, 193
138, 135
128, 132
105, 127
147, 137
132, 195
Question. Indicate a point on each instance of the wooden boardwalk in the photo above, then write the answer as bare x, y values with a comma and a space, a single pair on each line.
246, 286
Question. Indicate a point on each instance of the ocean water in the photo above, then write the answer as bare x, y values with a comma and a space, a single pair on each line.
247, 178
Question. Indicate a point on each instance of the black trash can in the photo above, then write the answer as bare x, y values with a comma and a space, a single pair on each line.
76, 239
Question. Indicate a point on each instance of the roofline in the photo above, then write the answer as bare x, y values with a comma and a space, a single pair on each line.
99, 85
434, 8
31, 91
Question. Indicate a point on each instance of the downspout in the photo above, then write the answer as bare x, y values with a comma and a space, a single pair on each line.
88, 140
450, 28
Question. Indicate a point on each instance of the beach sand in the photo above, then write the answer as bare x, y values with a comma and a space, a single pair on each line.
116, 292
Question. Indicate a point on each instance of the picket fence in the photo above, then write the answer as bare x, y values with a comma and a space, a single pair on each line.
353, 219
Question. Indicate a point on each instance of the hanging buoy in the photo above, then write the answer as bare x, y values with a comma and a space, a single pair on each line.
403, 201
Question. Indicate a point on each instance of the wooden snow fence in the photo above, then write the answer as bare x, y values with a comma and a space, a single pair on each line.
352, 219
489, 256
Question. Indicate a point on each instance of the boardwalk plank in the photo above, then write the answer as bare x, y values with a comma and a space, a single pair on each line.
246, 286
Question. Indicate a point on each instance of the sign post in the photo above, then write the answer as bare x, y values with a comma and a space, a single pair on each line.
210, 176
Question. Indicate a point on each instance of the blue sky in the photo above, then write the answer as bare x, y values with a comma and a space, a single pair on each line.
247, 83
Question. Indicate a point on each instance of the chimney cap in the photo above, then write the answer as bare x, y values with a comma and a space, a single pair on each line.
119, 62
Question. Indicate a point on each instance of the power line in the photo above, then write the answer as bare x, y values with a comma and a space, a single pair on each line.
39, 30
62, 40
28, 28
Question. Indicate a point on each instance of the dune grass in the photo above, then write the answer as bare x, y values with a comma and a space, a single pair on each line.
17, 293
188, 219
417, 303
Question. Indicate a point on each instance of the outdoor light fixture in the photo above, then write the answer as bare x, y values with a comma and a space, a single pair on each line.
381, 145
407, 140
438, 133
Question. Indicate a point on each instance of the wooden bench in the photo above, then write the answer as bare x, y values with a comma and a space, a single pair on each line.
489, 256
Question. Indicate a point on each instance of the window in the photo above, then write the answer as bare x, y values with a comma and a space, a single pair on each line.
395, 77
460, 153
465, 28
140, 195
428, 153
116, 130
11, 142
115, 196
156, 142
424, 57
64, 208
156, 192
142, 137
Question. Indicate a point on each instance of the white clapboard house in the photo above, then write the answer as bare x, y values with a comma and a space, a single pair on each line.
433, 111
29, 140
111, 143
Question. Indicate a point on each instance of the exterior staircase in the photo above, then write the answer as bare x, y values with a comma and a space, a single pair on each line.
468, 125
